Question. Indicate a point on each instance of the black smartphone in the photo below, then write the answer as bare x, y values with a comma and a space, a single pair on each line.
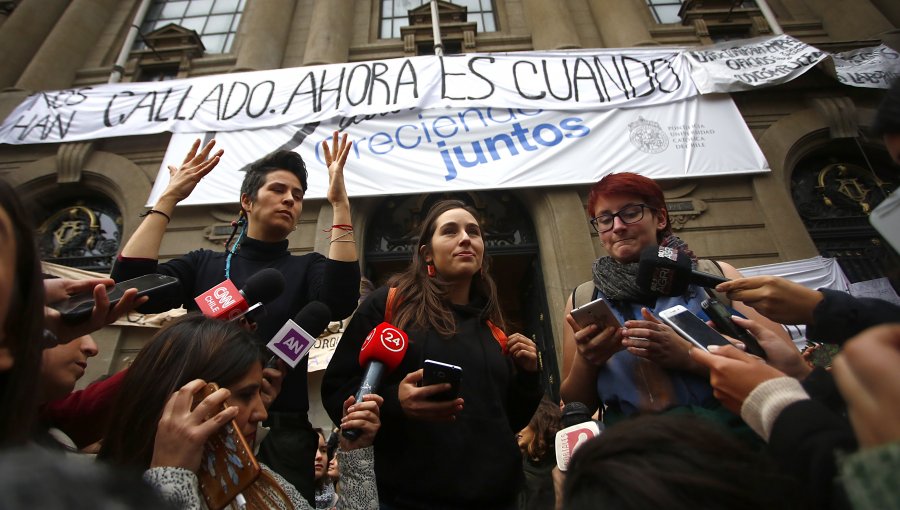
596, 312
721, 317
691, 327
79, 307
437, 373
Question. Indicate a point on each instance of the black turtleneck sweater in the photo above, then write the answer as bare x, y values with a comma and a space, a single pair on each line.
472, 462
310, 277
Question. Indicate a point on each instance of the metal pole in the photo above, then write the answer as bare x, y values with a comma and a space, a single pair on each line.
770, 17
119, 67
436, 29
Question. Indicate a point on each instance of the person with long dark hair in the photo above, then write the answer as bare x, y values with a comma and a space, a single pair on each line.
155, 429
462, 450
21, 320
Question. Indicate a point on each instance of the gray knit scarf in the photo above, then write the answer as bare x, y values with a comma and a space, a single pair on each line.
618, 281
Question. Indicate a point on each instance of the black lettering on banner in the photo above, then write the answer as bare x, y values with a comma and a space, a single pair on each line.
622, 77
240, 106
162, 106
413, 81
378, 69
580, 64
144, 103
472, 61
364, 88
106, 120
312, 90
265, 105
444, 75
516, 80
565, 74
645, 69
187, 93
338, 88
667, 63
45, 126
601, 70
214, 96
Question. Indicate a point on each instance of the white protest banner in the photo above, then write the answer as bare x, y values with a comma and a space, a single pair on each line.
435, 150
589, 79
751, 63
875, 67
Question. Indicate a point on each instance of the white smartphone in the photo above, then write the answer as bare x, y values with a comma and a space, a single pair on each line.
691, 327
596, 312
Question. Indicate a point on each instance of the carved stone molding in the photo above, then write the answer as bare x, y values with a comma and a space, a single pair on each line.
840, 115
682, 211
70, 159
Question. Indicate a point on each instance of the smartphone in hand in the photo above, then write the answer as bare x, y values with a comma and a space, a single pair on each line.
79, 307
436, 372
596, 312
691, 327
228, 465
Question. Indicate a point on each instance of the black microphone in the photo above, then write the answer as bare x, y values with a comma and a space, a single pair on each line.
225, 302
577, 429
261, 288
665, 271
297, 336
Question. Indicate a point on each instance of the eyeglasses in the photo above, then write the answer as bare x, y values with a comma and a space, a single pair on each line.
628, 214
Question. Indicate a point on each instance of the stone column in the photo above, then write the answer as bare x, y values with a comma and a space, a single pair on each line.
264, 35
551, 25
23, 32
64, 51
621, 23
329, 32
848, 21
890, 9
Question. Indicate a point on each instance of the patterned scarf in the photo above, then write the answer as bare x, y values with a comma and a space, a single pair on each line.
618, 281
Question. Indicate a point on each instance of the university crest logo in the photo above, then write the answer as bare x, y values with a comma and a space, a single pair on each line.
647, 136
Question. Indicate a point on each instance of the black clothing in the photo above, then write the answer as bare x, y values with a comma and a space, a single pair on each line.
805, 441
309, 277
841, 316
472, 462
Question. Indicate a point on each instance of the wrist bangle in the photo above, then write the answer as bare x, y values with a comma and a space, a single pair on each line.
341, 227
154, 211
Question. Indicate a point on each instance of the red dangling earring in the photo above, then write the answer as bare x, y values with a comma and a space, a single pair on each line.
430, 267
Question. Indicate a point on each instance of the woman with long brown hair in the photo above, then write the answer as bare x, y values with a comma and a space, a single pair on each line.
462, 451
155, 429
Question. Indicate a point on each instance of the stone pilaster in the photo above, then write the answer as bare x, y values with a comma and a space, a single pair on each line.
22, 34
551, 25
621, 23
329, 32
264, 35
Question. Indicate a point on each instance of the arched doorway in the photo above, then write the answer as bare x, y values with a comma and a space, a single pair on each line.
511, 243
835, 186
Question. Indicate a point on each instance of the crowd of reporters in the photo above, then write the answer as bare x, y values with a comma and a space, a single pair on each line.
682, 426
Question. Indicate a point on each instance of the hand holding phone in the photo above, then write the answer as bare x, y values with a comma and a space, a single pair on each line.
436, 372
691, 327
78, 308
228, 465
596, 312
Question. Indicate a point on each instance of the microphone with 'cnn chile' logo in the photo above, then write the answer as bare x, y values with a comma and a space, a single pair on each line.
381, 353
226, 302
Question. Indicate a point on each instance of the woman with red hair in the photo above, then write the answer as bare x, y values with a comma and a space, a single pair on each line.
643, 366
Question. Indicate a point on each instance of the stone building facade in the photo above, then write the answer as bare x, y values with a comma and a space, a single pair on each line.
545, 245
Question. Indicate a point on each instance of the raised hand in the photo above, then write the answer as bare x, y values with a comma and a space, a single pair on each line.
733, 373
183, 179
335, 158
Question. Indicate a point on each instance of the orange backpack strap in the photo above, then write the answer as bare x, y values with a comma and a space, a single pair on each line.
390, 305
